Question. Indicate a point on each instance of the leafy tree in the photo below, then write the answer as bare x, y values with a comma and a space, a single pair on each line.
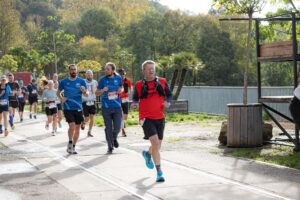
85, 65
242, 7
164, 65
7, 62
98, 23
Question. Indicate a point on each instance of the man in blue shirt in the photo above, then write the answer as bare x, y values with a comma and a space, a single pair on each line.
73, 87
33, 97
4, 92
110, 87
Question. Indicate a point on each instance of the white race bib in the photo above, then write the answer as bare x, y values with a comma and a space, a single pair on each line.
113, 95
21, 96
90, 103
33, 92
125, 100
52, 105
3, 102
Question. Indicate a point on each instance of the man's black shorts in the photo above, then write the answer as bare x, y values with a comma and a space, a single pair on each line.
88, 110
73, 116
32, 99
21, 106
154, 127
51, 111
59, 107
3, 109
125, 107
13, 104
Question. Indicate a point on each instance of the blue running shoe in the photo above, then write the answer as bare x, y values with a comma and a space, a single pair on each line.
1, 131
160, 177
148, 159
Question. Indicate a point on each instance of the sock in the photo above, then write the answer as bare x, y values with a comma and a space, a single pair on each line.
70, 142
123, 130
158, 168
11, 119
31, 113
122, 125
73, 146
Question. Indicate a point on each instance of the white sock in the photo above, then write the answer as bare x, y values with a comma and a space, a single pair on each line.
122, 124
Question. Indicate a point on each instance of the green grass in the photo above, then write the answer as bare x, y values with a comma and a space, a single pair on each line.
133, 118
280, 155
39, 107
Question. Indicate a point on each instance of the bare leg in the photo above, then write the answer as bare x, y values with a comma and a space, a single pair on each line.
54, 124
71, 131
76, 135
155, 148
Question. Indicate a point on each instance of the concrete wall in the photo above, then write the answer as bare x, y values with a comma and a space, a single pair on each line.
214, 100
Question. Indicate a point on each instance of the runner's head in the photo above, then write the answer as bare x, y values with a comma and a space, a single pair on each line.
10, 77
122, 73
3, 79
148, 69
55, 84
55, 77
33, 82
110, 69
50, 85
89, 75
73, 70
21, 83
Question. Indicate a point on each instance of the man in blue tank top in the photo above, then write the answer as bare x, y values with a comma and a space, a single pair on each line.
73, 87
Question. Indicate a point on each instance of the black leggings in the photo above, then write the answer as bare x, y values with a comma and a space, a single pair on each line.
21, 106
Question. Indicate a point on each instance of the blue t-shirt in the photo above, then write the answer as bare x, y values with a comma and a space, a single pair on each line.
72, 92
33, 90
22, 96
4, 98
110, 98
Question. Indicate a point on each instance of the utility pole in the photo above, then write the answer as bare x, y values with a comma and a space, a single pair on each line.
54, 48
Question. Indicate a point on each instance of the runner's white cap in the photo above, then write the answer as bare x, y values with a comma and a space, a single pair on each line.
3, 77
89, 71
50, 82
55, 74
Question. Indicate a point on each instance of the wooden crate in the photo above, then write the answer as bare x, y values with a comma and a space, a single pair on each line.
244, 127
276, 50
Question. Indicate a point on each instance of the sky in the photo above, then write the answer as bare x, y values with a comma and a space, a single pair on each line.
203, 6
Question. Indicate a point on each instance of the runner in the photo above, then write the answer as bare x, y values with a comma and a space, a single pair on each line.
109, 87
49, 96
73, 88
33, 98
89, 106
59, 106
150, 94
4, 92
13, 99
124, 98
22, 99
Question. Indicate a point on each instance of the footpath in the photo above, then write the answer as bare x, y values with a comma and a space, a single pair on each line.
35, 165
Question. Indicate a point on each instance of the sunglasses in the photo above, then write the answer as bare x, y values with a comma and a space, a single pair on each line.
10, 75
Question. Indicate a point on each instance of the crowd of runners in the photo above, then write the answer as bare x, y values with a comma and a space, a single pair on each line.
76, 98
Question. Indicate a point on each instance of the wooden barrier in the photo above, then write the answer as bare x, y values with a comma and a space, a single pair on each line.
244, 127
276, 50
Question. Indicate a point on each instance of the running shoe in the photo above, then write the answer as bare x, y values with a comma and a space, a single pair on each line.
160, 177
70, 148
109, 151
1, 131
53, 133
74, 151
34, 116
47, 126
124, 134
89, 134
30, 116
82, 126
21, 119
13, 127
6, 132
148, 160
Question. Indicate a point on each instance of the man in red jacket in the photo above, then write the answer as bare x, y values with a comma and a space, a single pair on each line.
153, 95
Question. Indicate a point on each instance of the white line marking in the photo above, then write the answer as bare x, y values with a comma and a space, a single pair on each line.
70, 163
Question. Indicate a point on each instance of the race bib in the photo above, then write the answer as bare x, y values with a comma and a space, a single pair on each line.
33, 92
125, 100
3, 102
20, 96
52, 105
113, 95
90, 103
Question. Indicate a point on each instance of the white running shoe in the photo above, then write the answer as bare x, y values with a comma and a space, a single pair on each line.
53, 133
70, 148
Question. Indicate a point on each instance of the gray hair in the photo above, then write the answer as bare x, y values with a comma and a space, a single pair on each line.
148, 62
89, 72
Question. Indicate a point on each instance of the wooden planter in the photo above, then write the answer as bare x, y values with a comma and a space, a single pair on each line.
178, 106
244, 125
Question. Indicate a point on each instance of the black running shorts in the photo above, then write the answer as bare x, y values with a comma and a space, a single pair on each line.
88, 110
125, 107
154, 127
51, 111
73, 116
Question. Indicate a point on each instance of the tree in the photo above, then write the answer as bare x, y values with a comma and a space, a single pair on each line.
164, 64
7, 62
242, 7
98, 23
85, 65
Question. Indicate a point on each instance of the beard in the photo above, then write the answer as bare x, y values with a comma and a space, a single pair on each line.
89, 79
73, 75
109, 75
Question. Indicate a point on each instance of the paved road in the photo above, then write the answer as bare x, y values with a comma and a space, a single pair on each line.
35, 165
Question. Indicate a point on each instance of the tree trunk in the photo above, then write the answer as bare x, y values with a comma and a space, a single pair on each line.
247, 59
181, 82
174, 78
